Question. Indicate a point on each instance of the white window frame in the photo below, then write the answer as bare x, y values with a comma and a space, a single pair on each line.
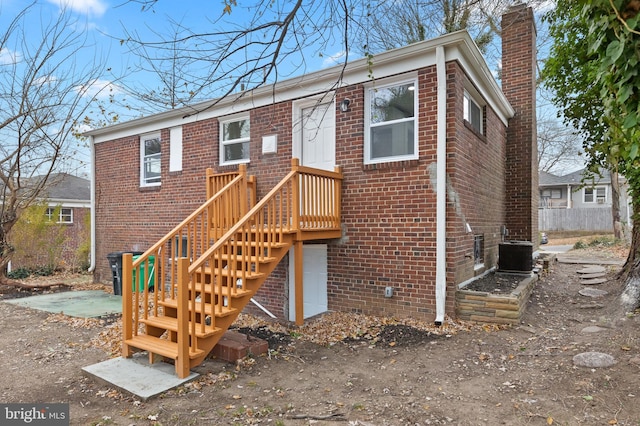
468, 102
144, 159
224, 143
65, 214
594, 195
384, 84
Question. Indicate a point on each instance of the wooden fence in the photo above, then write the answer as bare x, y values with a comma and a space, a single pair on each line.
575, 220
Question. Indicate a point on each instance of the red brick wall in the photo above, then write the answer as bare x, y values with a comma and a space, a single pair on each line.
389, 210
132, 218
519, 86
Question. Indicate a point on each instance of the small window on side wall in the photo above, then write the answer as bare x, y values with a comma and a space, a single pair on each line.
235, 137
473, 113
150, 156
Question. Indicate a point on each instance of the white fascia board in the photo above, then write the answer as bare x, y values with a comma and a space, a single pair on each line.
69, 203
470, 58
458, 46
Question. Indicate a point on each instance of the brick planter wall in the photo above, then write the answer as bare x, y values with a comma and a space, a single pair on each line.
480, 306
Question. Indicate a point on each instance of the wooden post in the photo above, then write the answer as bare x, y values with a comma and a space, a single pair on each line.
298, 262
182, 362
127, 314
244, 208
337, 198
295, 197
210, 189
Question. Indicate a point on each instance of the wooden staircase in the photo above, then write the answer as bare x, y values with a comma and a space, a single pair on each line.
205, 271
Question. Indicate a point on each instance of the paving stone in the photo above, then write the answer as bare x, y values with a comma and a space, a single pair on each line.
592, 329
592, 292
592, 269
594, 275
594, 360
591, 306
593, 281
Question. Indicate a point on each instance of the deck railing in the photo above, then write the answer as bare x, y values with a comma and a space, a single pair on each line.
153, 276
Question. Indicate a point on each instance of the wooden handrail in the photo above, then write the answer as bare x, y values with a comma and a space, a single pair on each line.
231, 244
157, 267
250, 241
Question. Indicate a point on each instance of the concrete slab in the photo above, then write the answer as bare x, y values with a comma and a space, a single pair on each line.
83, 304
136, 376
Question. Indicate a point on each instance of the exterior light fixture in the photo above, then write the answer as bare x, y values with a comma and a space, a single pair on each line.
344, 105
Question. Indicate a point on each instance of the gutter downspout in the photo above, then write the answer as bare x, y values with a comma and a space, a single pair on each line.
92, 265
441, 187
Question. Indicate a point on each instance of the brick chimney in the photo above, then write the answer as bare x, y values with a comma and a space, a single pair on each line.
519, 86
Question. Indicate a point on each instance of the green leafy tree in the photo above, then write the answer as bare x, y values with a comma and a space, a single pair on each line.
593, 68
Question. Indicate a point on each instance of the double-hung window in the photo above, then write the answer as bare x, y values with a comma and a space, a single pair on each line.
150, 155
60, 214
391, 122
473, 113
597, 194
234, 140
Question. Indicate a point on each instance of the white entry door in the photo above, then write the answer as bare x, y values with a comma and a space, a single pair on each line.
319, 136
314, 285
315, 145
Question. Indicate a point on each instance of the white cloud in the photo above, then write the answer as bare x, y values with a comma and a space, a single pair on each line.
335, 59
99, 88
86, 7
49, 79
8, 57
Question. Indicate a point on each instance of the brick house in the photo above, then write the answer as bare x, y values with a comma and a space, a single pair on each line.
437, 162
68, 199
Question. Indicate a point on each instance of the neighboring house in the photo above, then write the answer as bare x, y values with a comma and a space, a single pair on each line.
438, 166
69, 201
572, 203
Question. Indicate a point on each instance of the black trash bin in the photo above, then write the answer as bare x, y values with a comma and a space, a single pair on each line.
115, 261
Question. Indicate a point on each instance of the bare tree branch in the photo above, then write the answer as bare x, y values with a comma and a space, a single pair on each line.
42, 98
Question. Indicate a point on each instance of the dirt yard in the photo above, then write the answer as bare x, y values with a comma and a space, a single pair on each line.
355, 370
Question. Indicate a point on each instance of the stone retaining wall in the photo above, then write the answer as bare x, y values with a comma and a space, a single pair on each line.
479, 306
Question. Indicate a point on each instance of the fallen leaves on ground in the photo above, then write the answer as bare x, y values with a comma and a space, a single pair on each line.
334, 327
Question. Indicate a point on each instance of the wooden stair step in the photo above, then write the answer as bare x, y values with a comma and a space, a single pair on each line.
250, 275
226, 310
250, 259
163, 347
253, 244
171, 324
207, 288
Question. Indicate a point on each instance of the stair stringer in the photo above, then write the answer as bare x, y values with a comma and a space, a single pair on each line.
225, 321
